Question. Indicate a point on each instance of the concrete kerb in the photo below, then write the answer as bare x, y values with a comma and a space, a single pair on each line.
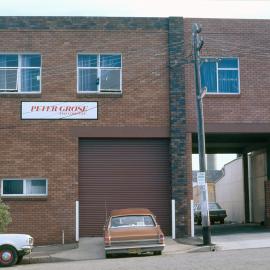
92, 249
196, 244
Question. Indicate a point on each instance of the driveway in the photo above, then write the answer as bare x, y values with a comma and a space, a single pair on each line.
238, 236
90, 248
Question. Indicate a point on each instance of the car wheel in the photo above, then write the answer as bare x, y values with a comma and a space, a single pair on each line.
158, 252
108, 255
20, 257
8, 256
222, 221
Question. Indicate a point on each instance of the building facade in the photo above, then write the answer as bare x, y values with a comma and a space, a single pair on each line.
88, 107
99, 113
235, 60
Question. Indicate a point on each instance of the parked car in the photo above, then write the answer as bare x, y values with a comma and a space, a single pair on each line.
216, 213
132, 231
13, 247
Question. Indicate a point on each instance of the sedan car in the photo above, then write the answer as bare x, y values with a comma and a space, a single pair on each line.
216, 213
13, 247
132, 231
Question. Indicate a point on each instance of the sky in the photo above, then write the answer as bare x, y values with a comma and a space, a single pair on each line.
221, 160
247, 9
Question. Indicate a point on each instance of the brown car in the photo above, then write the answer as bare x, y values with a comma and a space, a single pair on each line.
132, 231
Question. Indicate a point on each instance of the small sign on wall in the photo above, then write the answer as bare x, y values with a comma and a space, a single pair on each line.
201, 178
58, 110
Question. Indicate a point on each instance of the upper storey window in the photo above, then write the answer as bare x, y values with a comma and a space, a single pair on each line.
20, 73
220, 76
99, 73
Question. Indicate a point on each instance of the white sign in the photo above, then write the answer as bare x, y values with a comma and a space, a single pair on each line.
201, 178
58, 110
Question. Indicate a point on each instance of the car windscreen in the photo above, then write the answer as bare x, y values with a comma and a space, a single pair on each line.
214, 206
132, 221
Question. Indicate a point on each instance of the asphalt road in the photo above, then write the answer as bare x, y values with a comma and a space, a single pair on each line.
248, 259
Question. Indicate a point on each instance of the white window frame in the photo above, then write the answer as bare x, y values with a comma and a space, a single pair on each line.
99, 68
217, 69
24, 187
19, 69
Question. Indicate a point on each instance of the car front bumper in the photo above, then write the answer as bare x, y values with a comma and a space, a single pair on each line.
26, 250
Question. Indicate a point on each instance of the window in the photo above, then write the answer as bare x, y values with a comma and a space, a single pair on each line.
220, 75
20, 73
24, 187
132, 221
99, 73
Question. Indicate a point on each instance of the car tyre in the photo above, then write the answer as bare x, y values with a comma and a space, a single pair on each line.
108, 255
8, 256
157, 252
20, 257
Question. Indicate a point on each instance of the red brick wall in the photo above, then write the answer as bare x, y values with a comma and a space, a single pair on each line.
46, 148
249, 40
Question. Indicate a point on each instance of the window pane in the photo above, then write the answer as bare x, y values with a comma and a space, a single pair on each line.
88, 80
110, 60
9, 60
32, 60
13, 187
8, 79
228, 63
30, 80
36, 187
87, 60
209, 76
132, 221
228, 81
110, 79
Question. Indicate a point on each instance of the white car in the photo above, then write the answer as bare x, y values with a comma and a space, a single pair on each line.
13, 247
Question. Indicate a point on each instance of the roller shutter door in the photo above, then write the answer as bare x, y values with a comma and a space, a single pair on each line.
123, 174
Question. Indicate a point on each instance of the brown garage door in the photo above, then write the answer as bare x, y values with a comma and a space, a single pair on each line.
123, 174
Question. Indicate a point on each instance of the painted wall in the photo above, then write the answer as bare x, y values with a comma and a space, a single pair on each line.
230, 191
211, 193
258, 176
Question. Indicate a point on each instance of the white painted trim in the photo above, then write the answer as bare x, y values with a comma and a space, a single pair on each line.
19, 69
77, 221
99, 68
173, 219
24, 187
217, 69
192, 218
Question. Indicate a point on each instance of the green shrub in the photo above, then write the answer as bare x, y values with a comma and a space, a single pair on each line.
5, 217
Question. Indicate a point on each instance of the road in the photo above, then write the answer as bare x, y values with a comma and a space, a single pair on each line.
248, 259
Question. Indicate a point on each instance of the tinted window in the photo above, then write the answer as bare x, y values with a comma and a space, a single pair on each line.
87, 60
12, 187
110, 60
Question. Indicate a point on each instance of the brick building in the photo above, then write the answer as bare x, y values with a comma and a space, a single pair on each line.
54, 154
236, 110
99, 112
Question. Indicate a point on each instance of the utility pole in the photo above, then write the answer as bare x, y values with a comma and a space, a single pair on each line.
197, 43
